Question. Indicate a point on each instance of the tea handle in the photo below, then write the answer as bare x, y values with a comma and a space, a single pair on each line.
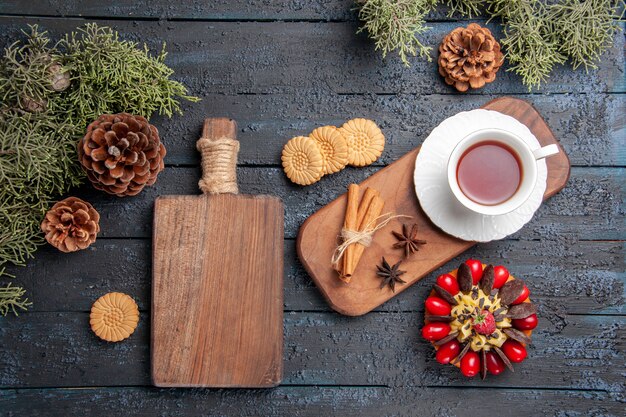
546, 151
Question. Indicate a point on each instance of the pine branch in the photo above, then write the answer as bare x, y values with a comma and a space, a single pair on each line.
115, 76
395, 25
12, 299
584, 30
531, 52
465, 8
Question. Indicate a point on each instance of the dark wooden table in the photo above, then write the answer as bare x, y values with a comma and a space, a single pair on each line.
282, 68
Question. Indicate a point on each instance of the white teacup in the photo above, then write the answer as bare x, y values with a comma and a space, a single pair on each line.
527, 157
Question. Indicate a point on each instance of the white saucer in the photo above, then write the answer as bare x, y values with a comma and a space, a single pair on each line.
433, 191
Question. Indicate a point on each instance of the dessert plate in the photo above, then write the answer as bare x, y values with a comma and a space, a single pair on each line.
431, 181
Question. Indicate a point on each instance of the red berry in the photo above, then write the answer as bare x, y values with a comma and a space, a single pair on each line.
501, 275
495, 365
522, 297
448, 283
448, 351
438, 306
528, 323
470, 364
484, 323
514, 351
477, 269
435, 331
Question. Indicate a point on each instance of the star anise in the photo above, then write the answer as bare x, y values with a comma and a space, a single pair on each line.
390, 274
407, 240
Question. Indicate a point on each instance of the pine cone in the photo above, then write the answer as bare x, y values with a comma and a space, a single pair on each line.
71, 225
469, 57
32, 105
121, 153
59, 78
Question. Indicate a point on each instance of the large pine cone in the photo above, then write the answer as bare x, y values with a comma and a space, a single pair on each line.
71, 224
121, 153
469, 57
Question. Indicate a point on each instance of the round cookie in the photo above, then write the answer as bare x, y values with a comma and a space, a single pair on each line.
114, 317
334, 148
302, 160
365, 141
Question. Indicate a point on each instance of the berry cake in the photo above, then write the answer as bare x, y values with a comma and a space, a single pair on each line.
479, 318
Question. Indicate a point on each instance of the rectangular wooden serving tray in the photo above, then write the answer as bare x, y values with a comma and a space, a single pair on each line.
317, 238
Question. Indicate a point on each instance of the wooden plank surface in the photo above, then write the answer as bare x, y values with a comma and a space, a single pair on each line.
189, 9
315, 10
567, 276
310, 401
383, 349
224, 57
590, 127
591, 207
258, 70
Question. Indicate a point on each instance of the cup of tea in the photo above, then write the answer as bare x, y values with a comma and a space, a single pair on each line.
493, 171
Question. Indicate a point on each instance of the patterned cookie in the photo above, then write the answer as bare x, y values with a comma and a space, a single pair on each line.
302, 160
365, 141
114, 317
334, 148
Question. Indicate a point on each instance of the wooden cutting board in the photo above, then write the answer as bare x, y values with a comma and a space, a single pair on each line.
318, 235
217, 289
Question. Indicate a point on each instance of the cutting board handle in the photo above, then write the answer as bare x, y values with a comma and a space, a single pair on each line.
219, 147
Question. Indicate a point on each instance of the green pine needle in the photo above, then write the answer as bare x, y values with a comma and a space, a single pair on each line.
396, 24
12, 299
531, 53
584, 29
468, 8
116, 75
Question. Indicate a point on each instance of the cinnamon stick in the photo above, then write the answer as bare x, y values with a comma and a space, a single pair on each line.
369, 222
350, 223
368, 196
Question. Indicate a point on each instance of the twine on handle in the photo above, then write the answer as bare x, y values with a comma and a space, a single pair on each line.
363, 237
219, 165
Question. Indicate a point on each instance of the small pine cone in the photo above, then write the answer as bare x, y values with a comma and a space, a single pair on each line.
121, 153
469, 57
71, 225
32, 105
59, 78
